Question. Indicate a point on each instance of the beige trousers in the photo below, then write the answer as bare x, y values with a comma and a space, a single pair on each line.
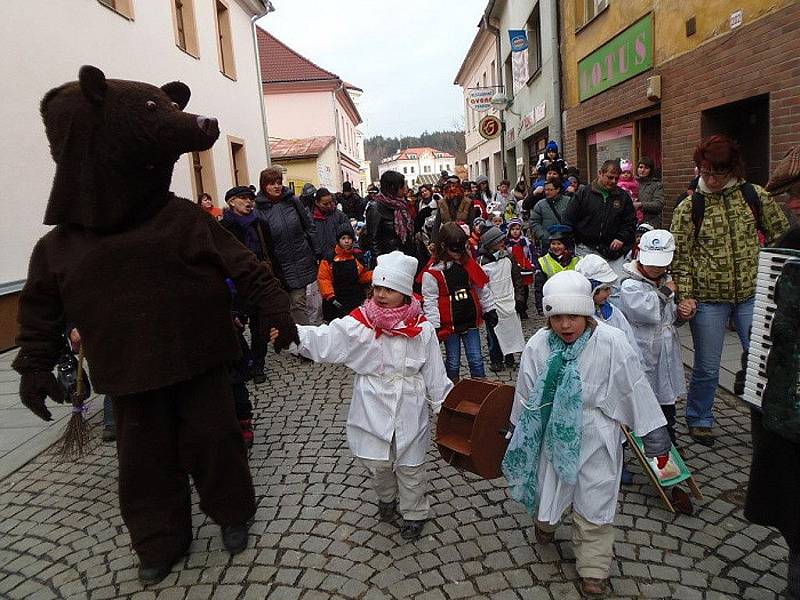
405, 484
297, 306
593, 545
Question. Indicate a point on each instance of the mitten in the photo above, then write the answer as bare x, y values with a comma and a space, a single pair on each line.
287, 331
35, 387
491, 318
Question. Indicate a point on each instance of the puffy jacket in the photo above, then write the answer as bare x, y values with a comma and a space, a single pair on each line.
292, 235
352, 205
543, 216
598, 221
720, 263
326, 227
651, 195
379, 235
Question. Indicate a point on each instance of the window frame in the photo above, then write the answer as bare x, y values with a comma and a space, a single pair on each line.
204, 163
582, 9
124, 8
535, 15
225, 52
188, 16
236, 166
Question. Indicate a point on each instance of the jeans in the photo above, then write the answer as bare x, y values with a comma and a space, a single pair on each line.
708, 335
472, 346
108, 412
495, 353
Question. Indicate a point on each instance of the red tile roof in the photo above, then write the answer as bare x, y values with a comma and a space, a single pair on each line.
280, 64
300, 147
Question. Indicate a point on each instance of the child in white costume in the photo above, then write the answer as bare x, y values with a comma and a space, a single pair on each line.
647, 297
395, 353
579, 380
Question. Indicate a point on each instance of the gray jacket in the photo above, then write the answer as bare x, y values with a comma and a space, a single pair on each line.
325, 230
651, 195
293, 245
543, 216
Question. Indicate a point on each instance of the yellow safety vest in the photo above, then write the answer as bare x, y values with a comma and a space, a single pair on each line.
550, 266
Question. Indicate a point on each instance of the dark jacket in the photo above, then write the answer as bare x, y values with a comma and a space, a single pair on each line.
651, 195
261, 248
326, 227
294, 246
151, 301
379, 236
598, 221
352, 205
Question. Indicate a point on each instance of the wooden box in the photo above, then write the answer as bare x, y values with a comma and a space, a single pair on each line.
472, 425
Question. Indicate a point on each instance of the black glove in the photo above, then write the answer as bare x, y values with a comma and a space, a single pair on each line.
490, 318
287, 331
35, 387
336, 304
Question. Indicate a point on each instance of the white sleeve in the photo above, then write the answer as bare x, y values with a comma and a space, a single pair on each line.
486, 297
621, 323
526, 379
430, 300
437, 384
342, 341
638, 304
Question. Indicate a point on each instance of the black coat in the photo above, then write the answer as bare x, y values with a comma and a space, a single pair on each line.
379, 235
597, 221
352, 205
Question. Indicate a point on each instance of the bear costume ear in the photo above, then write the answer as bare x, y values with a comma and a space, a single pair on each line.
179, 92
93, 83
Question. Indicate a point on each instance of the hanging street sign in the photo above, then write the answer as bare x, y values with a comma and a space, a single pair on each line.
480, 98
489, 127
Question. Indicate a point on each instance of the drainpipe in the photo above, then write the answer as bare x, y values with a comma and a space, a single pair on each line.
336, 131
496, 32
260, 80
556, 58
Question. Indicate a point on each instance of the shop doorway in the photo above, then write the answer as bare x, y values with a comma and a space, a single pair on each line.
747, 122
536, 145
650, 140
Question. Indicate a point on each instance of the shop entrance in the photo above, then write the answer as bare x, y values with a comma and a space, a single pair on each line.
747, 122
536, 144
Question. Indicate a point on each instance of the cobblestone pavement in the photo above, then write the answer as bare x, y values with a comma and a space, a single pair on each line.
316, 535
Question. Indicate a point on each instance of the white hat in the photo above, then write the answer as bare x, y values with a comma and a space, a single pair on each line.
567, 293
396, 271
656, 248
595, 267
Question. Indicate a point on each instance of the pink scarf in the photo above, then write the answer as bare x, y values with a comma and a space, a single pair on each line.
403, 221
386, 320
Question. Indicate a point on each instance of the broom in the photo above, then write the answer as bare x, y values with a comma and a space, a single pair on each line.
76, 439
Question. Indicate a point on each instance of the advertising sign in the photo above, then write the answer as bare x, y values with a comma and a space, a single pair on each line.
519, 58
623, 57
489, 127
480, 98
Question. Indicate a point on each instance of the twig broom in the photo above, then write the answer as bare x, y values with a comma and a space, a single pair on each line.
76, 439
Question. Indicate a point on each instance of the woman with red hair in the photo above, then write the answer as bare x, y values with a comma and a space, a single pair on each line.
718, 233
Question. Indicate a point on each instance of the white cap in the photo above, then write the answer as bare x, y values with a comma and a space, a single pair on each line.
567, 293
656, 248
595, 267
396, 271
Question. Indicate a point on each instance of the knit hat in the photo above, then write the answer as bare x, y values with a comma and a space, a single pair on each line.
551, 145
596, 269
396, 271
787, 173
481, 178
560, 232
656, 248
514, 221
567, 293
345, 229
490, 237
625, 165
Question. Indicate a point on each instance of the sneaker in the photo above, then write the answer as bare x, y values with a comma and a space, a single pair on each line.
592, 587
234, 537
411, 529
109, 434
386, 511
702, 435
496, 367
627, 476
247, 432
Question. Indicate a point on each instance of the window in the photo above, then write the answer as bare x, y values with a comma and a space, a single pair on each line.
185, 26
534, 27
225, 40
405, 170
412, 169
493, 72
238, 161
122, 7
508, 84
203, 173
586, 10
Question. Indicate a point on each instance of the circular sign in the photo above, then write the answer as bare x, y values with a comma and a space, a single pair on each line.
489, 127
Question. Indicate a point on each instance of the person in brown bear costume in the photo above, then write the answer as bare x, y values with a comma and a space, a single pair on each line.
142, 274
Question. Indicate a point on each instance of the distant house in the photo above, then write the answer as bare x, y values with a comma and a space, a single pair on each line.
414, 162
306, 102
306, 160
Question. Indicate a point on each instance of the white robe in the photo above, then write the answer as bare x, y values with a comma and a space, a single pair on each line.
509, 327
652, 317
615, 392
618, 321
393, 374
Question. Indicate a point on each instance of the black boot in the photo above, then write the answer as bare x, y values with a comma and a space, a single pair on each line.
234, 537
153, 574
411, 529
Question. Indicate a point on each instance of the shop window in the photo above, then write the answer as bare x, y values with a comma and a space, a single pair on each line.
534, 27
121, 7
586, 10
238, 161
203, 173
225, 40
183, 21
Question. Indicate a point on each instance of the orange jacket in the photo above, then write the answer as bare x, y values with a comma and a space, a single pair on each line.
325, 274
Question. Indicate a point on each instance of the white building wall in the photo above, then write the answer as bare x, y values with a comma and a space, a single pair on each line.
300, 114
46, 41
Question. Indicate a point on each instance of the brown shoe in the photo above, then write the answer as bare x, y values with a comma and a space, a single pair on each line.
702, 435
592, 587
681, 501
544, 537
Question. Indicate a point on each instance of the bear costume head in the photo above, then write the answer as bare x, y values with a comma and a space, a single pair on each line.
115, 144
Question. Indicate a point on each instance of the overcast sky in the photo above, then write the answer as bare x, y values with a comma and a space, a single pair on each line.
404, 54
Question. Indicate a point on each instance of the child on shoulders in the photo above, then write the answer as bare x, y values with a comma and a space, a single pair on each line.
395, 354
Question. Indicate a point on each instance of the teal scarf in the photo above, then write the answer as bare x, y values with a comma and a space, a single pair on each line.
552, 420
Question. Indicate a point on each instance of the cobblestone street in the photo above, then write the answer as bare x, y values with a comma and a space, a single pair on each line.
316, 533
